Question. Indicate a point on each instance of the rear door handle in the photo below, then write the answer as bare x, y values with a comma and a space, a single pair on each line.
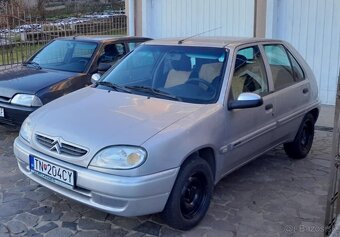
305, 90
268, 106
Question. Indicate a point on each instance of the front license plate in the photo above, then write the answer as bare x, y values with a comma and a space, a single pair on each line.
2, 112
54, 173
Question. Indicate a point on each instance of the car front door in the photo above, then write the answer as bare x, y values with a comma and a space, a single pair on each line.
249, 131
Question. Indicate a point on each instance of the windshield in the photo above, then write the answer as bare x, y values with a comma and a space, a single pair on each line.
188, 74
65, 55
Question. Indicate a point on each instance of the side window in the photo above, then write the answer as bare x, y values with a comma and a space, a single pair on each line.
248, 53
249, 73
121, 49
297, 70
277, 55
285, 69
111, 53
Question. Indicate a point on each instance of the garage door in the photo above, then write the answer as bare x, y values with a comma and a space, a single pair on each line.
313, 28
171, 18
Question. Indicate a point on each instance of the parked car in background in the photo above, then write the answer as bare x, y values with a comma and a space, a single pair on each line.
161, 128
62, 66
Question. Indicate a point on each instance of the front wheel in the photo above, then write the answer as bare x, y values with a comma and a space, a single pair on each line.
190, 197
303, 141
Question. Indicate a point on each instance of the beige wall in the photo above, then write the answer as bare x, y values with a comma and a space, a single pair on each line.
138, 16
260, 18
127, 13
127, 7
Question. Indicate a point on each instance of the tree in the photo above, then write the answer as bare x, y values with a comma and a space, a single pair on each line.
41, 9
117, 4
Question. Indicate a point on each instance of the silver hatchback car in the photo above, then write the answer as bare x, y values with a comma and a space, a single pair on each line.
161, 128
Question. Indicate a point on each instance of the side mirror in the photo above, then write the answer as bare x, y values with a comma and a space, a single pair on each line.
246, 100
95, 77
103, 67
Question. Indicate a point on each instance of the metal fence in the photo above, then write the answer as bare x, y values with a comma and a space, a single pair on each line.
21, 36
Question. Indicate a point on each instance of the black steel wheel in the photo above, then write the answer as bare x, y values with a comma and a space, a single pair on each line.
303, 141
190, 196
193, 195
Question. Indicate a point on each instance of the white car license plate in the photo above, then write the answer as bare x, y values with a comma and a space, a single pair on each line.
2, 112
54, 173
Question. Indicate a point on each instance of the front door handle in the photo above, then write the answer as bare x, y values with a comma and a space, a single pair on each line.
268, 106
305, 90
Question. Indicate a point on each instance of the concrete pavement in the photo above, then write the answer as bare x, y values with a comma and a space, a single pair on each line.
271, 196
326, 116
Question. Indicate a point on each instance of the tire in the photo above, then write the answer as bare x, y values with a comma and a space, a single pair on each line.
191, 194
300, 147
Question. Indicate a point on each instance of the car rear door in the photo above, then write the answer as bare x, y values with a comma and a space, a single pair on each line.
291, 90
249, 132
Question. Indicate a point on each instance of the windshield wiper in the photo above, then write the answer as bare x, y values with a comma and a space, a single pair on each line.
33, 64
113, 86
154, 91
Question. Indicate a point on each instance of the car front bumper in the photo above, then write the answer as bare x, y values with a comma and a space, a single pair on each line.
124, 196
15, 114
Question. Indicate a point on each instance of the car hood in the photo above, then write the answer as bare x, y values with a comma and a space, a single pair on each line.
22, 79
94, 118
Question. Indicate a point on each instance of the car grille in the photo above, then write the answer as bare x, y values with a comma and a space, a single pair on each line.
60, 147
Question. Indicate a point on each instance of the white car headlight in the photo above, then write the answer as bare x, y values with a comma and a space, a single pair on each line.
26, 130
26, 100
119, 157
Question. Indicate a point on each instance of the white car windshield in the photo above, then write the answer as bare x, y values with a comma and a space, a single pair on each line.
184, 73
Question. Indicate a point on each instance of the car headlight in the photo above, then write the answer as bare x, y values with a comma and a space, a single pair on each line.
26, 100
26, 130
119, 157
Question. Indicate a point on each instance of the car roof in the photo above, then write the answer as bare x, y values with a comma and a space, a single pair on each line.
215, 41
104, 38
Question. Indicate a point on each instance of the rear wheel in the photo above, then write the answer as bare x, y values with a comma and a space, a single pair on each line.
190, 196
303, 141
